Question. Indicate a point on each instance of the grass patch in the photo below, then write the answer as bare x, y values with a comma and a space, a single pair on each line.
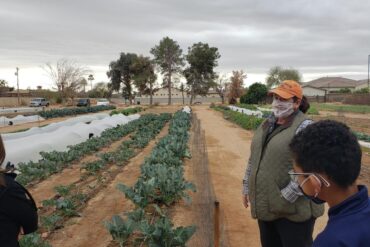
313, 111
341, 108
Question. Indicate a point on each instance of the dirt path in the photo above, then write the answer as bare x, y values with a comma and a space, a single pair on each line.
228, 150
89, 230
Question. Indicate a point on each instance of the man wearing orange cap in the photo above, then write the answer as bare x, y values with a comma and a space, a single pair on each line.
285, 217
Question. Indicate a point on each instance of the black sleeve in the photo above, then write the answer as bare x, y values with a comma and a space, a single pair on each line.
21, 209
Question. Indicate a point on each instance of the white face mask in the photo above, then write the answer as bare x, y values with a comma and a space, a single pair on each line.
282, 109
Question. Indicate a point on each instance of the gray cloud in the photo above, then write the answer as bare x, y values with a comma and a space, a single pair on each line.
314, 36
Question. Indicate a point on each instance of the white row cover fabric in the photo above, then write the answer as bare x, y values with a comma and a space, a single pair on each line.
20, 119
186, 109
54, 126
264, 109
246, 111
20, 109
28, 148
364, 144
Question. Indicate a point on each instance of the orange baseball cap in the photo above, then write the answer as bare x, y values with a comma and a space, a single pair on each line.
288, 89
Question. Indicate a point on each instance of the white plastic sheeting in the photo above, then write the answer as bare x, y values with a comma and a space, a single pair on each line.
54, 126
364, 144
20, 109
246, 111
27, 148
20, 119
186, 109
264, 109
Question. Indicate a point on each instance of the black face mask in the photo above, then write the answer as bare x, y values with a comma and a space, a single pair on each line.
312, 198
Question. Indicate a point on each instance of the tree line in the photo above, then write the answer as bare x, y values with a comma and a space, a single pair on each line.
132, 73
197, 67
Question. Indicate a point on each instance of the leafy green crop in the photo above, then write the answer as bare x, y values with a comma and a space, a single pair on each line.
74, 111
161, 183
120, 229
127, 111
245, 121
163, 234
55, 161
33, 240
247, 106
362, 136
94, 166
51, 222
65, 204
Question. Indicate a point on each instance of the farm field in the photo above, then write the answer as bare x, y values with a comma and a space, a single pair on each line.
92, 185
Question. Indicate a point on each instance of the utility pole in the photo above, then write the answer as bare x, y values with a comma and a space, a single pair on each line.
368, 69
17, 74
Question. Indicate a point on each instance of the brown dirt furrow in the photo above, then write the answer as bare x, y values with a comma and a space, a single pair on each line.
183, 214
45, 189
89, 230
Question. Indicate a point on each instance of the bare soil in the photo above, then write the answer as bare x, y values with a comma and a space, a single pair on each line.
71, 175
228, 149
89, 230
357, 122
345, 114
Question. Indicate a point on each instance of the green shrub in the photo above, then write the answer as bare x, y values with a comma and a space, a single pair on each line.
362, 91
256, 93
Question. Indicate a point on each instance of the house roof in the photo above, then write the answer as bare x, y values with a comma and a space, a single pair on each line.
362, 82
333, 82
313, 87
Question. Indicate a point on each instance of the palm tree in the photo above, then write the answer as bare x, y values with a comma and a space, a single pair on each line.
91, 78
83, 84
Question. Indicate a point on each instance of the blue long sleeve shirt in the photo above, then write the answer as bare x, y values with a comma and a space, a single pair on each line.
348, 224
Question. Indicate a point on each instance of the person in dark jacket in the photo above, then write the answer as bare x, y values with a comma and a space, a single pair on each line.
285, 217
327, 164
18, 212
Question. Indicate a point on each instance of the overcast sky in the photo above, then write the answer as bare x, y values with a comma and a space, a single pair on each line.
317, 37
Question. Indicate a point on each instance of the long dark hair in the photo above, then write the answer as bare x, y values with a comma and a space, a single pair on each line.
305, 105
2, 157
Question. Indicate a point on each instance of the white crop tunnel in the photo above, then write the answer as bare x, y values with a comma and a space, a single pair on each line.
28, 148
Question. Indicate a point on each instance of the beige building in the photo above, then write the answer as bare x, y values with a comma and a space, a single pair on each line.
310, 91
161, 97
362, 84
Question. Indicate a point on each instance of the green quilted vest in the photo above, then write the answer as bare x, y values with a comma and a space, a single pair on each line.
271, 160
